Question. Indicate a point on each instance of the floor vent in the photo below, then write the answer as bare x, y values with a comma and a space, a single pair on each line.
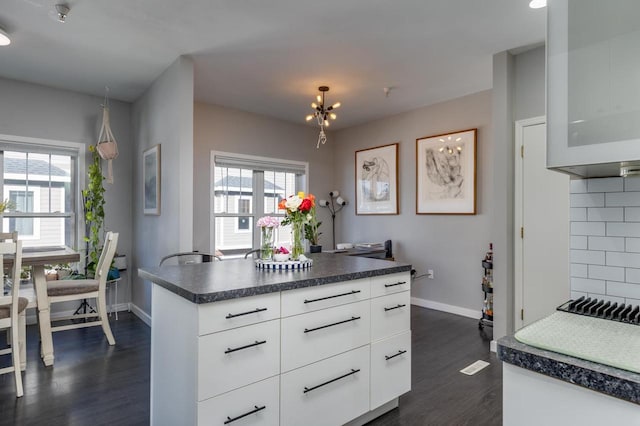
474, 368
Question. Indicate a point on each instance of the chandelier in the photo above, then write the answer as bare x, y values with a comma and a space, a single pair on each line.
322, 114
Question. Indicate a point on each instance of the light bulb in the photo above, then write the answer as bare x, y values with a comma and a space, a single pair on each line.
319, 98
335, 193
314, 105
4, 38
341, 201
326, 123
458, 140
333, 116
336, 105
459, 148
441, 149
309, 117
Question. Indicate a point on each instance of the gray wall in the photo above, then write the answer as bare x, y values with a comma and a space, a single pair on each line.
164, 115
450, 245
223, 129
529, 84
36, 111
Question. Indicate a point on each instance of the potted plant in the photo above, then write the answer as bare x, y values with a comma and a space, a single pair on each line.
311, 232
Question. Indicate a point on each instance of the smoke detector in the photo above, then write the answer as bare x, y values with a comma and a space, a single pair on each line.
63, 11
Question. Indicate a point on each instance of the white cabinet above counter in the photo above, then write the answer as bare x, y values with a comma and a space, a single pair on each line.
233, 344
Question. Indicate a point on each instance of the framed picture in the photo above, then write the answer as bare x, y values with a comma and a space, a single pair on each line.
377, 180
446, 173
151, 174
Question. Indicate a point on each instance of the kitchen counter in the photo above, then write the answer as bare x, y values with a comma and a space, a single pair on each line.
231, 279
597, 377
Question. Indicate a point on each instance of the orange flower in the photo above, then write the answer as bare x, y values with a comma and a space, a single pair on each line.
313, 200
282, 204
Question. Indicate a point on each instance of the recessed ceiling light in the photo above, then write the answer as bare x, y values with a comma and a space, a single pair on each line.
4, 38
537, 4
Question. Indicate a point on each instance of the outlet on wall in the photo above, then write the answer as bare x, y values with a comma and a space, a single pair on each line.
430, 274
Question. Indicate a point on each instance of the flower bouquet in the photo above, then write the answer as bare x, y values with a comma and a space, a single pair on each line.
299, 211
267, 224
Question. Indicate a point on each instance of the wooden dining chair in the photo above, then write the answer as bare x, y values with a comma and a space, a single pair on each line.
66, 290
12, 312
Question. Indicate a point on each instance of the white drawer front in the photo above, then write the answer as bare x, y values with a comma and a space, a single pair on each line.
321, 334
233, 313
390, 369
250, 399
311, 299
392, 283
338, 395
390, 315
226, 363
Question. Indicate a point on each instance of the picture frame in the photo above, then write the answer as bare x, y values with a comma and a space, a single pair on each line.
376, 177
151, 162
446, 173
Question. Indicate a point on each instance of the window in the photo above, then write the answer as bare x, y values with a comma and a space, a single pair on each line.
42, 182
245, 188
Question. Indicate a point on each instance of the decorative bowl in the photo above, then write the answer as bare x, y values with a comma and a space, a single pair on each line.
281, 257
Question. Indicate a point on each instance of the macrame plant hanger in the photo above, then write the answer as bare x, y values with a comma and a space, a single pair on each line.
107, 146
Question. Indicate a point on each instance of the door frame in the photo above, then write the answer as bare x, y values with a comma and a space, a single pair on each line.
518, 215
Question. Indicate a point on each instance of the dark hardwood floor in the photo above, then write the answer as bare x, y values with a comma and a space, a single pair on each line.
92, 383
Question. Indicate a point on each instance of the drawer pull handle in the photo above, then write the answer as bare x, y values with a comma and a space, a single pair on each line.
255, 410
309, 330
250, 345
331, 297
400, 352
255, 311
395, 284
395, 307
351, 373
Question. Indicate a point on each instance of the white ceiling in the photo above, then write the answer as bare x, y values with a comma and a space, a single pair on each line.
269, 56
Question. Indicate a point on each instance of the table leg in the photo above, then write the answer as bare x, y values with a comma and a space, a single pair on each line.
44, 314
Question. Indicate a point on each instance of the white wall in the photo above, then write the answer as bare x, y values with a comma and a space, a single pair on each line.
224, 129
36, 111
451, 245
164, 115
605, 239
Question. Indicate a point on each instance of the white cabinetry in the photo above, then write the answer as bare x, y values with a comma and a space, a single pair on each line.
593, 86
322, 355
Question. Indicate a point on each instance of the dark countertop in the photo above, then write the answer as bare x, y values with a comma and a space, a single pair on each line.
591, 375
231, 279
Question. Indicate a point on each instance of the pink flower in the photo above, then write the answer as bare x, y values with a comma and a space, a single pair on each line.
268, 222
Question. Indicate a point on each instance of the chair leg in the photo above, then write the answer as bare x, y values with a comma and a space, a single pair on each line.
15, 353
102, 309
22, 339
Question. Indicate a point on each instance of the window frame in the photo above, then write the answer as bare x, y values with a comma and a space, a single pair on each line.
53, 147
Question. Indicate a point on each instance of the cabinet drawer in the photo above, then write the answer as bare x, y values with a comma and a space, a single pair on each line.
227, 314
390, 368
256, 404
390, 315
329, 392
392, 283
321, 334
311, 299
235, 358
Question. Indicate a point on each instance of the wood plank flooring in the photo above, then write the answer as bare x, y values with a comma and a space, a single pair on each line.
93, 384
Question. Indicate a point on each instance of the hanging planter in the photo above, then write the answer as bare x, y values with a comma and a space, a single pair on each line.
107, 147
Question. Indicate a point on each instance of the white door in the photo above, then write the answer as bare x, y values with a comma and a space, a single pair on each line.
542, 227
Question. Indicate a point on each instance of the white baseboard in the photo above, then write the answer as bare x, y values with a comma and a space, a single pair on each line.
493, 346
469, 313
145, 317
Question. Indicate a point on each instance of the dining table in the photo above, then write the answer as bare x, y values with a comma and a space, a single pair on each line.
37, 258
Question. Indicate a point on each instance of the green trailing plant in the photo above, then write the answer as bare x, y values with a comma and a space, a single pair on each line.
93, 199
311, 232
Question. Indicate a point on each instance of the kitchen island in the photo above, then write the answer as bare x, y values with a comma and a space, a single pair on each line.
234, 344
542, 387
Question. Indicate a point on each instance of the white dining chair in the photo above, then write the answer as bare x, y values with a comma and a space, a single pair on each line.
66, 290
12, 312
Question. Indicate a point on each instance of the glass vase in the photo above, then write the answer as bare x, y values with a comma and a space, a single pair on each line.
297, 237
266, 247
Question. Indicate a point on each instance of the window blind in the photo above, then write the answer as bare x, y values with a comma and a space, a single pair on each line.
259, 163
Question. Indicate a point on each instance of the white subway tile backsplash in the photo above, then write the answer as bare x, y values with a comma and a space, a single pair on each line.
617, 229
623, 289
588, 228
617, 199
589, 200
605, 239
632, 184
606, 214
632, 301
629, 260
578, 214
608, 273
606, 243
588, 286
632, 275
632, 245
605, 185
578, 186
587, 257
632, 214
579, 270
